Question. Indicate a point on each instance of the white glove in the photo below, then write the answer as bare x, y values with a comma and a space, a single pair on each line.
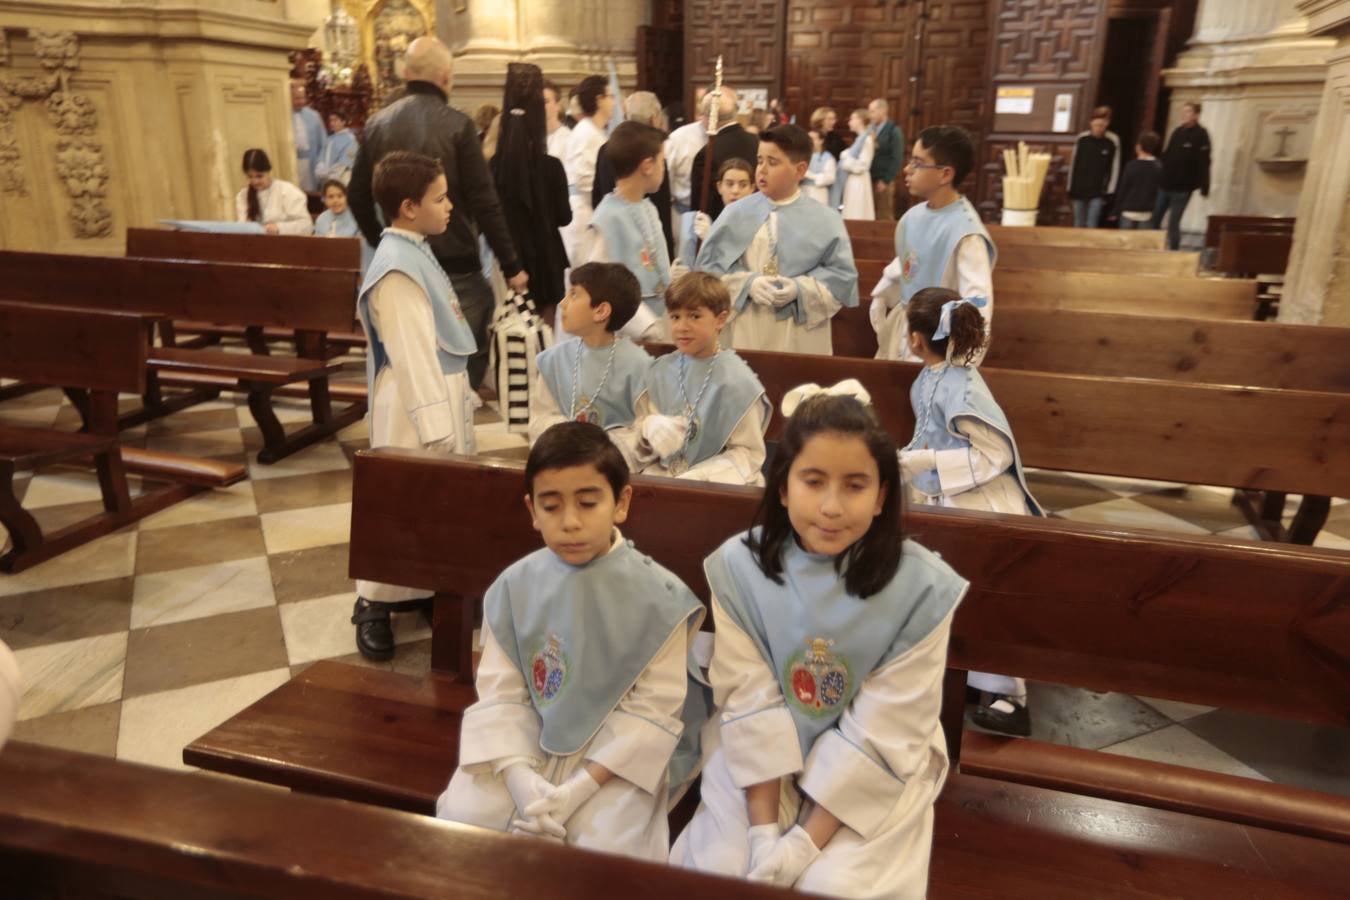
916, 462
773, 292
563, 801
702, 225
762, 841
665, 434
877, 313
526, 787
788, 859
678, 270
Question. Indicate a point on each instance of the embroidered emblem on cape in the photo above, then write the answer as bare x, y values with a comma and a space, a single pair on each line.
548, 671
908, 264
815, 681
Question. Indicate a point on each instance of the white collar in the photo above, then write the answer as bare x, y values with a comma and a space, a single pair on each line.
410, 235
793, 199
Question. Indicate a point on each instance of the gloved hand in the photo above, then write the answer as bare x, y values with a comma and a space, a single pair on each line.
916, 462
877, 313
563, 801
664, 433
702, 225
762, 841
788, 859
678, 270
526, 787
772, 291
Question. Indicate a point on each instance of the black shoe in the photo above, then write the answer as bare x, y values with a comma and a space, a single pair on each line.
374, 635
1016, 723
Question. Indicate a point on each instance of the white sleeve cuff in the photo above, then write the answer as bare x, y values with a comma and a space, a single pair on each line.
492, 733
634, 749
761, 746
434, 422
857, 789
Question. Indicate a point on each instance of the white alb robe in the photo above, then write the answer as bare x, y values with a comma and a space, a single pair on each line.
891, 719
282, 204
817, 184
968, 273
628, 814
583, 146
859, 198
415, 406
681, 148
740, 462
758, 327
556, 142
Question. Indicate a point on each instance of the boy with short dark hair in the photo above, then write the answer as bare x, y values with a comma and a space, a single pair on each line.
785, 258
939, 243
1092, 170
418, 350
1139, 185
626, 227
597, 375
589, 706
703, 413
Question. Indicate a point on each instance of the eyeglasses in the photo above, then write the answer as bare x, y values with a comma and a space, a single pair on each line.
916, 163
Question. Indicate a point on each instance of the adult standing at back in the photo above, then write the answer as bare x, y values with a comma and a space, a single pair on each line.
732, 141
310, 136
583, 146
424, 122
1185, 168
886, 158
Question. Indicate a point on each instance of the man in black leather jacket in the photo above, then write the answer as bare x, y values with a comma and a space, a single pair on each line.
424, 122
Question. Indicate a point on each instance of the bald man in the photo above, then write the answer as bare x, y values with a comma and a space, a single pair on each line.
890, 151
423, 122
731, 142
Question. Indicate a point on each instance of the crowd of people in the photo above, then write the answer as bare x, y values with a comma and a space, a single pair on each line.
817, 706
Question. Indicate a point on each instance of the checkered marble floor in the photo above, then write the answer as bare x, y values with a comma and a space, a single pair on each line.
137, 643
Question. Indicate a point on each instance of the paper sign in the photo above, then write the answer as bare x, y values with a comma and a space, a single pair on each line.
1063, 112
1015, 100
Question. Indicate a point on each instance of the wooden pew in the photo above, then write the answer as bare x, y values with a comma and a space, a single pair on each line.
77, 825
1018, 255
269, 249
1216, 225
1250, 253
1193, 298
1040, 235
313, 302
93, 356
1169, 616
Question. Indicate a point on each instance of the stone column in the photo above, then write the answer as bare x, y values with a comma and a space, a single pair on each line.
1317, 288
568, 39
1258, 74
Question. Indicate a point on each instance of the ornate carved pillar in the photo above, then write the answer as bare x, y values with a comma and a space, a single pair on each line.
1317, 290
1258, 74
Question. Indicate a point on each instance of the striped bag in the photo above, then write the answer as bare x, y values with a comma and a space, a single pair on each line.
519, 335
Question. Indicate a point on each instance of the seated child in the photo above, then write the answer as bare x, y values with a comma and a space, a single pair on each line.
337, 220
785, 258
704, 412
278, 206
596, 376
827, 670
821, 174
963, 453
419, 345
735, 179
626, 227
584, 720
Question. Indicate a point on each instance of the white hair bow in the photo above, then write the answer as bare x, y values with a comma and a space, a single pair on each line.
849, 387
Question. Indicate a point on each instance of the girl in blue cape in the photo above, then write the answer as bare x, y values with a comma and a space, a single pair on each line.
337, 219
339, 151
827, 671
963, 454
589, 705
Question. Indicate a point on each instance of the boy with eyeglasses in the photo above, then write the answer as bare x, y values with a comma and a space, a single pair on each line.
939, 243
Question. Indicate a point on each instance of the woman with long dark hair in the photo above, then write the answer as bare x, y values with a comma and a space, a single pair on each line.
278, 206
531, 184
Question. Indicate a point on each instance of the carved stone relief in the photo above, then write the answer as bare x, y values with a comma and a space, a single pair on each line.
79, 160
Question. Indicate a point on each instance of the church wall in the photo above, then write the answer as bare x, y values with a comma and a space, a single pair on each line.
160, 102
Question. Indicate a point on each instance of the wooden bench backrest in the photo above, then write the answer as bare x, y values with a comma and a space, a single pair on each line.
222, 293
1218, 224
271, 249
77, 825
1227, 623
77, 348
1040, 235
1203, 351
1140, 263
1254, 252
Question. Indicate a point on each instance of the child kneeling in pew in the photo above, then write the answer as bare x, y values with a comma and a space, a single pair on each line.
963, 454
827, 671
419, 345
589, 705
598, 375
704, 412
